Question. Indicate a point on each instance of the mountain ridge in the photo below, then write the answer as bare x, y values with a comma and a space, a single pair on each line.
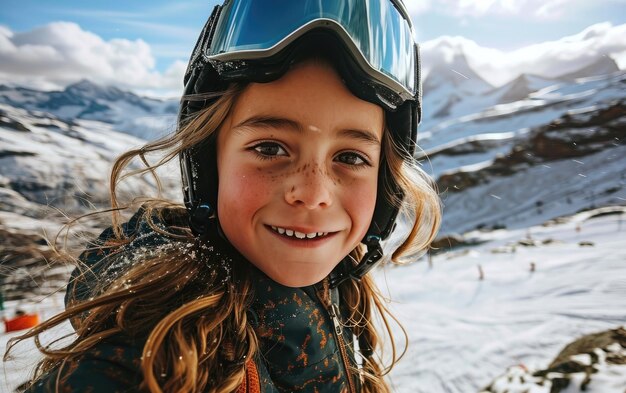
144, 117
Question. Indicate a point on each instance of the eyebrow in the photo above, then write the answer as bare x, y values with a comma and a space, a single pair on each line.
280, 123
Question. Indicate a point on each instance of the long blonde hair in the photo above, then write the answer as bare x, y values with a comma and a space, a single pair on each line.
209, 327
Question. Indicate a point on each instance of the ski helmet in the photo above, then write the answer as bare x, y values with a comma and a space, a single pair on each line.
372, 47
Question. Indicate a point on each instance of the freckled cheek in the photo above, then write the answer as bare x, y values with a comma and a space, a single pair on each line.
242, 193
360, 200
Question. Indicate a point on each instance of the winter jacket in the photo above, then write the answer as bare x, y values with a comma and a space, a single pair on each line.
301, 347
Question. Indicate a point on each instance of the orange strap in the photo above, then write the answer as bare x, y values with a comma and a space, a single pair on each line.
251, 383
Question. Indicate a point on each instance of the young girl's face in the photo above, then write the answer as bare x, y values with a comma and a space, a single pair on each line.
298, 162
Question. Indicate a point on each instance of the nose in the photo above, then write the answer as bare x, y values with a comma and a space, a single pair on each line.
310, 188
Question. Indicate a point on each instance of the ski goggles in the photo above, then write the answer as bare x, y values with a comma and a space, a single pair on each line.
378, 33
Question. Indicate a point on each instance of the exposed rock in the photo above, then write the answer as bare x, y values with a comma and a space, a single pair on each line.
450, 242
12, 124
571, 136
595, 362
11, 153
527, 243
575, 136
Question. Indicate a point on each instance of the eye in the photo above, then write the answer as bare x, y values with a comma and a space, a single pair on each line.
269, 150
352, 159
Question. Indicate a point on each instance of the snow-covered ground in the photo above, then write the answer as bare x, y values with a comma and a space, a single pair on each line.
23, 359
531, 196
464, 332
53, 163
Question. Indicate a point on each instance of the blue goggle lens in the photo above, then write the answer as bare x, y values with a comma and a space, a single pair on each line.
377, 30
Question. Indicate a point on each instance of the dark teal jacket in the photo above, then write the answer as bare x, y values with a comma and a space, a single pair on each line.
299, 348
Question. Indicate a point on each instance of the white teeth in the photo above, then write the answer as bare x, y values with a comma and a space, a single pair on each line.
299, 235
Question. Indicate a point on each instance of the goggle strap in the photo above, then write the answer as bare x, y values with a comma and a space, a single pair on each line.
203, 43
418, 81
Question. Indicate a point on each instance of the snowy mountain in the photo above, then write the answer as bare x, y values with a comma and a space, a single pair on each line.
143, 117
454, 72
520, 88
51, 169
556, 152
450, 81
47, 164
604, 65
453, 89
474, 151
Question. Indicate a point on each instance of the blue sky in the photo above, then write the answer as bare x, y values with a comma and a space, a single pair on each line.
163, 33
170, 28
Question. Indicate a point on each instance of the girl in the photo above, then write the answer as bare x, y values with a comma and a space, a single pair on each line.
296, 137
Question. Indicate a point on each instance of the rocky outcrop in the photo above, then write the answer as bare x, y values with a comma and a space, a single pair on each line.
595, 362
578, 135
570, 136
11, 124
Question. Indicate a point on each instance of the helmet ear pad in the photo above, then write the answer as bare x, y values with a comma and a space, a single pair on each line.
389, 194
199, 163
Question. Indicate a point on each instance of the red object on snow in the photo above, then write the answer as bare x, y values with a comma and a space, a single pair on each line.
21, 322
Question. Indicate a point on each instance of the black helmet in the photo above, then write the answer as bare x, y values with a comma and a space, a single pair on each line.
370, 43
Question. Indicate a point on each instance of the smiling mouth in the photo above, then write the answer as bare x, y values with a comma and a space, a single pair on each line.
290, 233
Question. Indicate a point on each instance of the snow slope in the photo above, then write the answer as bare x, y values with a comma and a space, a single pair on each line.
48, 161
464, 332
538, 193
471, 143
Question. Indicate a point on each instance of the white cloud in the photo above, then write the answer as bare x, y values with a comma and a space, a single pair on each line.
416, 7
540, 9
548, 59
60, 53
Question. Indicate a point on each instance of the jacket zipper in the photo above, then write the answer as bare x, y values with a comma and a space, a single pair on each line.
333, 312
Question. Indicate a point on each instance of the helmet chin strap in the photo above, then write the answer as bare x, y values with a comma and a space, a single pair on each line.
346, 270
